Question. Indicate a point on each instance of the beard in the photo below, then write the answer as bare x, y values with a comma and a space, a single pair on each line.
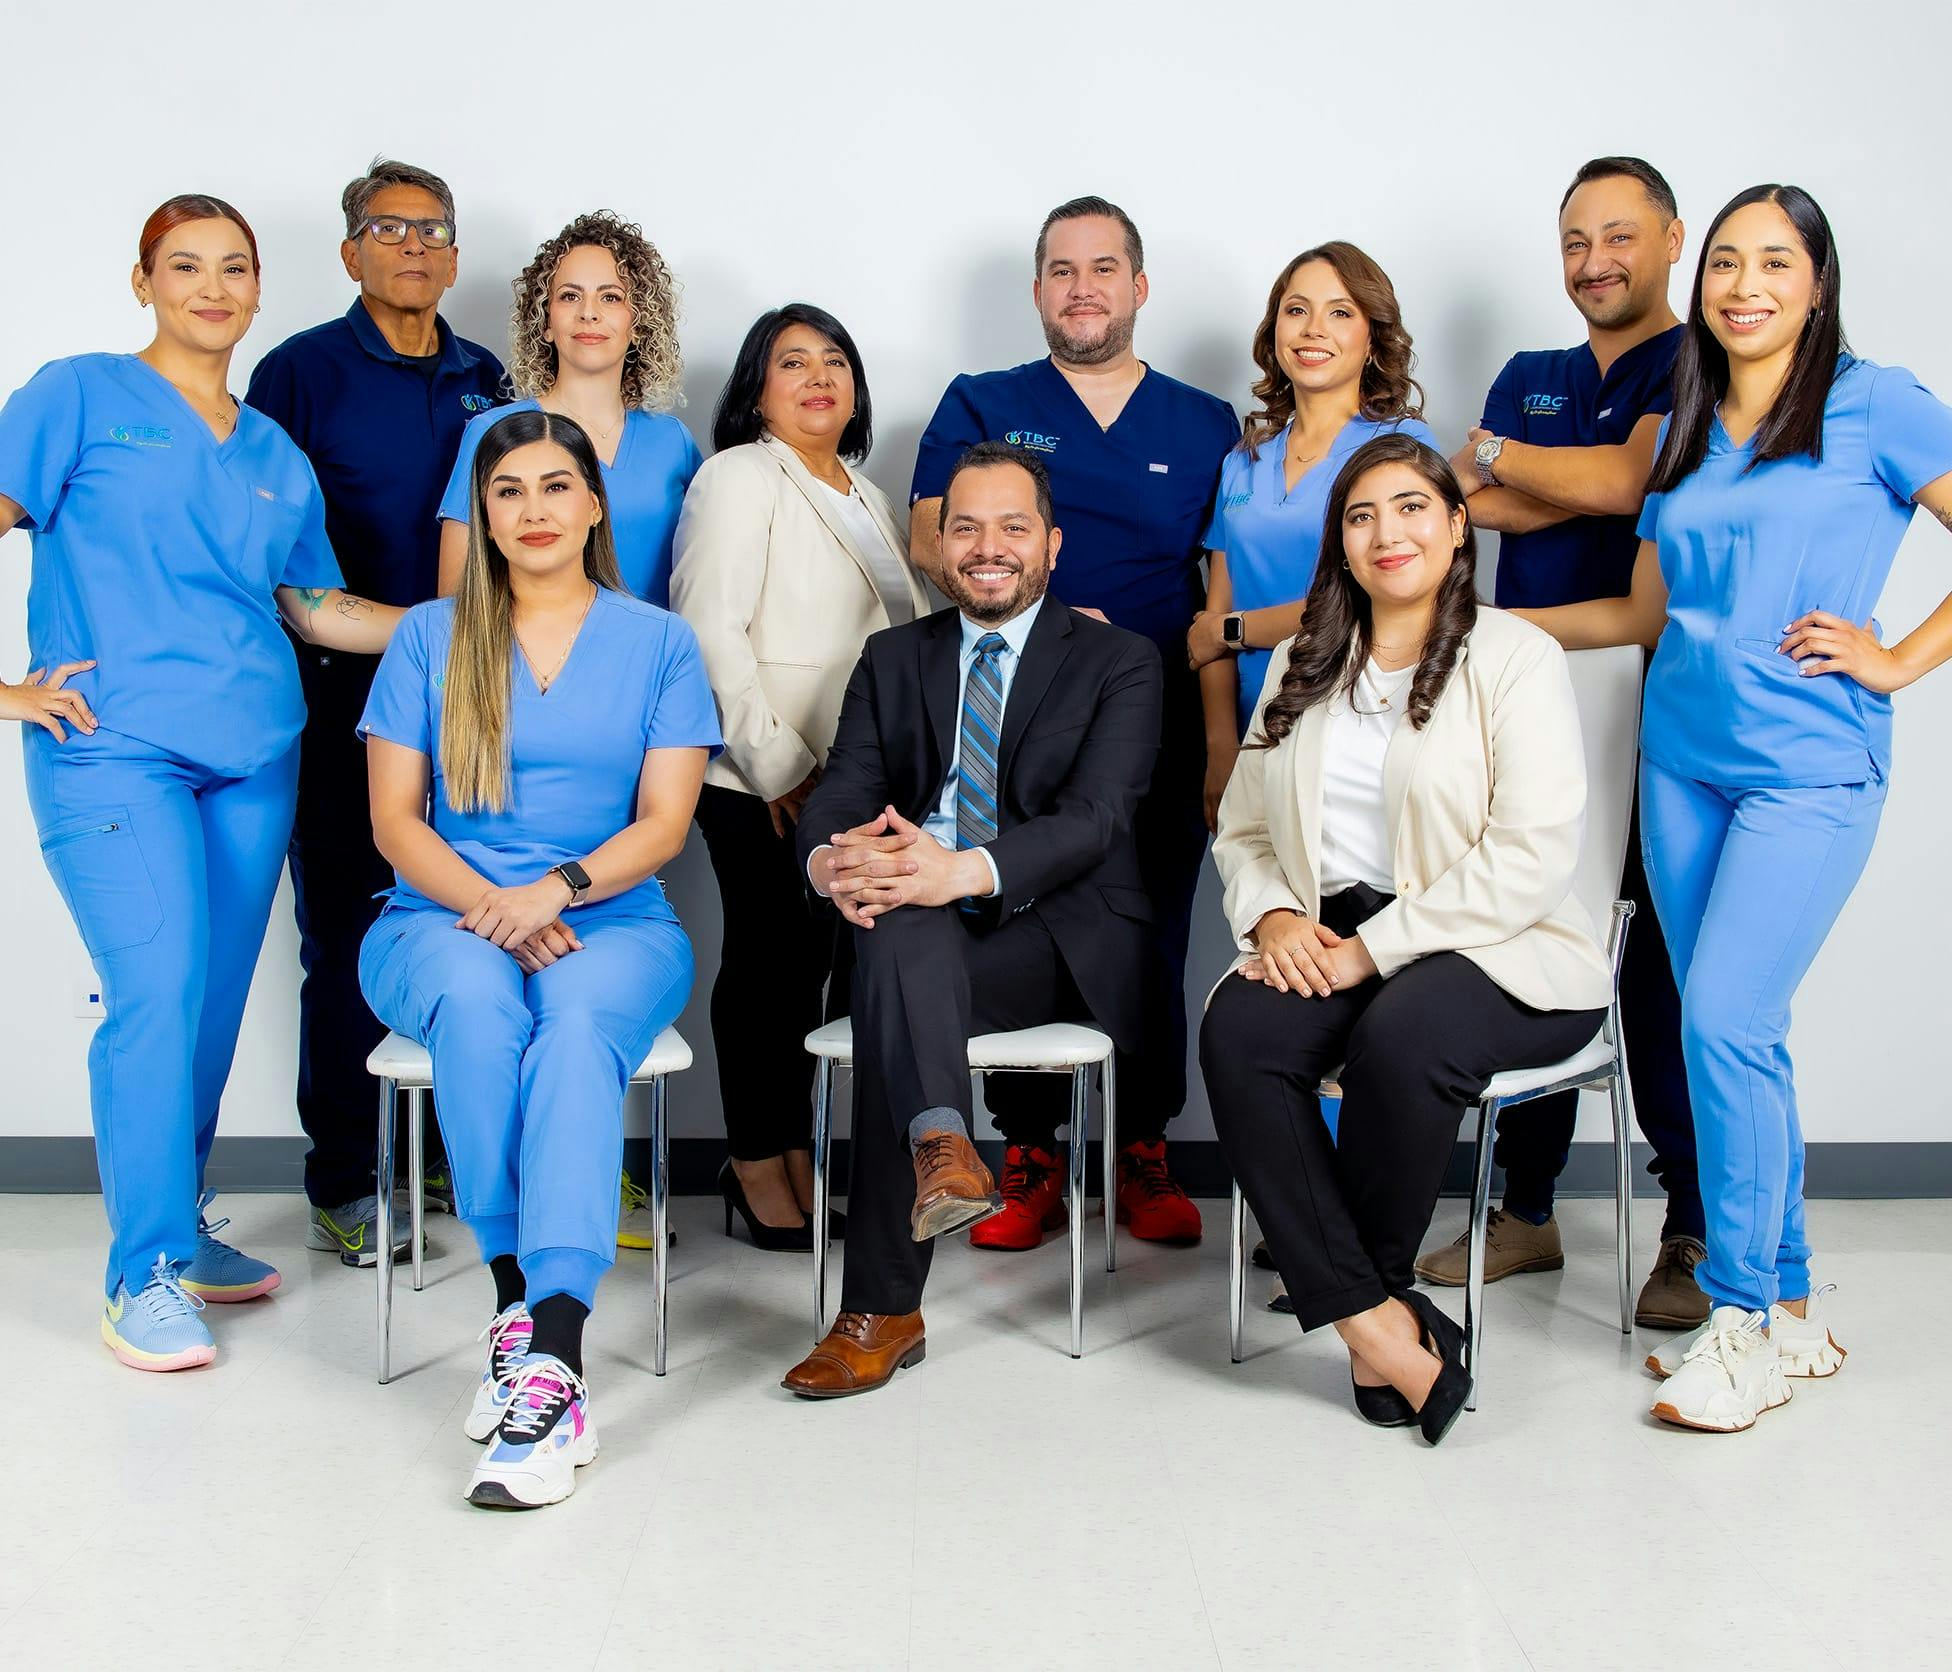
1622, 307
1076, 345
1031, 585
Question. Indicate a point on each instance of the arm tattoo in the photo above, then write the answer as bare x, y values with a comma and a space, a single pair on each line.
351, 605
312, 597
1944, 514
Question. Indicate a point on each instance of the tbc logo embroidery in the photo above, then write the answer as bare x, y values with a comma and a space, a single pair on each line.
1234, 501
1543, 406
143, 435
1033, 440
475, 403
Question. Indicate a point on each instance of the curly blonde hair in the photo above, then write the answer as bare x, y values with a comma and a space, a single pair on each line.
653, 366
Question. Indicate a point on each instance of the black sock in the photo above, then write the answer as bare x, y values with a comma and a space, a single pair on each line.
559, 1329
509, 1287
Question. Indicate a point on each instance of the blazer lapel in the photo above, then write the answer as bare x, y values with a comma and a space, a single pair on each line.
1043, 654
939, 650
1305, 752
823, 507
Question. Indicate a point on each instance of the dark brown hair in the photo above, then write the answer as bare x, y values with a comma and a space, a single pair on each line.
1332, 648
1387, 389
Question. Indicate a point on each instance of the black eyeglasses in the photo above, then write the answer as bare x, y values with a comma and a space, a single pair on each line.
390, 229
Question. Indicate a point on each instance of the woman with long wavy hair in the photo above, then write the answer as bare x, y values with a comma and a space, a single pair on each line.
536, 745
1398, 846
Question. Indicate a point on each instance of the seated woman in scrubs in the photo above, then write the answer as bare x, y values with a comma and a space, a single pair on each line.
1786, 477
535, 745
1335, 371
172, 529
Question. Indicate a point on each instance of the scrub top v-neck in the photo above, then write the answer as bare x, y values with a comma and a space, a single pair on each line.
1131, 498
1272, 534
157, 551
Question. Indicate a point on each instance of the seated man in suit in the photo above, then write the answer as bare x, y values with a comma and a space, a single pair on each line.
982, 785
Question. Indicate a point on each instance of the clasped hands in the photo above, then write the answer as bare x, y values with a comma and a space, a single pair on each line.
1295, 954
889, 862
525, 922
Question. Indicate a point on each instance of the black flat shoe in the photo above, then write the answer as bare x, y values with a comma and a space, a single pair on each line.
1438, 1334
1262, 1258
1381, 1407
774, 1239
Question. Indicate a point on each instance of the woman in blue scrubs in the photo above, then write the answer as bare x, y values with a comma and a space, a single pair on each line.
1787, 475
1335, 371
536, 745
172, 529
594, 337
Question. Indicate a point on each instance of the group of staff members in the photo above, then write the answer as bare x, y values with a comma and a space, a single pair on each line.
590, 637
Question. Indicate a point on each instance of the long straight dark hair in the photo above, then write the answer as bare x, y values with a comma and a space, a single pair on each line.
1337, 625
1795, 421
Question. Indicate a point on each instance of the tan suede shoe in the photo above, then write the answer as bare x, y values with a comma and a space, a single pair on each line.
1511, 1245
1670, 1298
860, 1353
952, 1186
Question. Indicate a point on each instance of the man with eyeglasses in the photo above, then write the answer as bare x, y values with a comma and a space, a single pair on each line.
377, 400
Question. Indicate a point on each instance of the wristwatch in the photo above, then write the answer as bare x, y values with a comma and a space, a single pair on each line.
1233, 631
1487, 458
577, 878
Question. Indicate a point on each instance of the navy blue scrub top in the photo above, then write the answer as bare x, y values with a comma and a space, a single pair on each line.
1557, 398
381, 436
1132, 500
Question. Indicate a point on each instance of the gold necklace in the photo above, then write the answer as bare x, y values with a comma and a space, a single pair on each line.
544, 680
601, 433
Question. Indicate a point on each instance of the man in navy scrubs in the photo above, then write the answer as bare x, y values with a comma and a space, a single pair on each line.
1559, 467
1134, 457
377, 400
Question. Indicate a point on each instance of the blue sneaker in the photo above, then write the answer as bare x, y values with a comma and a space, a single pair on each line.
508, 1336
219, 1272
157, 1328
545, 1437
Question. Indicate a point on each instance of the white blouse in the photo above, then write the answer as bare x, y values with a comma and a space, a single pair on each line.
883, 560
1355, 827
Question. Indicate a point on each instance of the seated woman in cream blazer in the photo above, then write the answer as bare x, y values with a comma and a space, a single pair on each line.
1398, 844
785, 560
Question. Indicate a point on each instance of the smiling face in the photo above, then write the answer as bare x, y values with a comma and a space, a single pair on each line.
1398, 535
808, 397
590, 316
1321, 338
1087, 294
408, 276
1617, 248
997, 555
203, 285
539, 509
1758, 284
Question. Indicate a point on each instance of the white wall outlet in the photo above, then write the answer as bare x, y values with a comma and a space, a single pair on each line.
88, 997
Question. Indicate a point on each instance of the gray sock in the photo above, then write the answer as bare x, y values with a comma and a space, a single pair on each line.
936, 1120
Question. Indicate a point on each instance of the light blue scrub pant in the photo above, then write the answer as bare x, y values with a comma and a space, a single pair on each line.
1747, 883
169, 873
531, 1072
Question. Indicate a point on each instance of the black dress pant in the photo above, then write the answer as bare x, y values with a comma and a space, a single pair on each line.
774, 962
1343, 1219
925, 979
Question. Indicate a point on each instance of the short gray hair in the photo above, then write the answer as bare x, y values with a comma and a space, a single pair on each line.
357, 199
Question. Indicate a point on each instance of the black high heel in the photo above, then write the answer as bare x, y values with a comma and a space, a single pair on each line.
1381, 1407
774, 1239
1438, 1334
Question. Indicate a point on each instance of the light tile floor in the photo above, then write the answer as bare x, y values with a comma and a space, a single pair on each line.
999, 1506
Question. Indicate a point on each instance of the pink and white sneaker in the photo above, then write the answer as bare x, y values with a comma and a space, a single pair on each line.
508, 1345
545, 1436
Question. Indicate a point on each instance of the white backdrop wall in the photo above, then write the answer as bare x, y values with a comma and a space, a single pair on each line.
891, 162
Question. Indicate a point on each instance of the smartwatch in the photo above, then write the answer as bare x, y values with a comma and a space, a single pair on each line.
1233, 631
1487, 458
577, 878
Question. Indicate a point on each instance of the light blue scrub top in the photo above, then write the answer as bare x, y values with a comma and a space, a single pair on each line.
1272, 537
634, 681
656, 460
1747, 551
156, 552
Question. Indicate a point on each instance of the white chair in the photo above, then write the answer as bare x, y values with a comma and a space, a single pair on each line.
1055, 1048
402, 1065
1606, 685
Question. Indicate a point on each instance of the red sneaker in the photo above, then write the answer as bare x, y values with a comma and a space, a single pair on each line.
1033, 1201
1149, 1202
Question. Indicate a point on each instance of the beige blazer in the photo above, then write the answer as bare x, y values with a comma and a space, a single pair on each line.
1485, 807
768, 575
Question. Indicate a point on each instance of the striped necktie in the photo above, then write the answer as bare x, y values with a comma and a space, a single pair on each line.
981, 737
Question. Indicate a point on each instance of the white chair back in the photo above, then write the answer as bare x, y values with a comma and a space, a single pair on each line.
1606, 685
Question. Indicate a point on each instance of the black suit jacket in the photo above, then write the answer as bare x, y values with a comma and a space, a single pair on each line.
1080, 732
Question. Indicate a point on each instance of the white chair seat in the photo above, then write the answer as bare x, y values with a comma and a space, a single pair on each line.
407, 1064
1054, 1045
1518, 1082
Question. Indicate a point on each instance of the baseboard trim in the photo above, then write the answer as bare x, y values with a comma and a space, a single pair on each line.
44, 1166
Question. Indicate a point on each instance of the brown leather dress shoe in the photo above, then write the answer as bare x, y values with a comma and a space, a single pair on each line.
860, 1353
952, 1186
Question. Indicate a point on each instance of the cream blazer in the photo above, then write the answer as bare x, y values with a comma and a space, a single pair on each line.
767, 574
1485, 807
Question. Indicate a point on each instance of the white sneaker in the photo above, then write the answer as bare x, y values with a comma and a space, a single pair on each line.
1805, 1345
546, 1435
1668, 1357
1729, 1377
508, 1346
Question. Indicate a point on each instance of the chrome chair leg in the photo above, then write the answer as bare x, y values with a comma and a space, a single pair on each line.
1109, 1147
1480, 1218
383, 1264
1620, 1097
1080, 1148
1236, 1271
823, 1134
660, 1220
417, 1181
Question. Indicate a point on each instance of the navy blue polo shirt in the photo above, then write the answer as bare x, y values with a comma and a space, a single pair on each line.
381, 434
1132, 501
1557, 398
